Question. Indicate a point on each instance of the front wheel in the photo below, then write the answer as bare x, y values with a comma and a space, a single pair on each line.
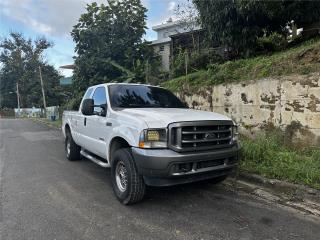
127, 183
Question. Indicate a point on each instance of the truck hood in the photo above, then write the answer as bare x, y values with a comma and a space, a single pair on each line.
162, 117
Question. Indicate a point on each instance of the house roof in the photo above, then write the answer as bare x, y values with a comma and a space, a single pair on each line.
69, 66
186, 33
166, 25
160, 41
173, 24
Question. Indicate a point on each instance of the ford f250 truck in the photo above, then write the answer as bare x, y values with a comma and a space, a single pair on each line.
147, 136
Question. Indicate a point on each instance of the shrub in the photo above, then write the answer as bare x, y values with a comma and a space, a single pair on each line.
7, 112
196, 61
273, 42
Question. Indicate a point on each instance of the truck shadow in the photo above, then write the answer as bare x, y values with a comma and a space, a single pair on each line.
199, 190
196, 190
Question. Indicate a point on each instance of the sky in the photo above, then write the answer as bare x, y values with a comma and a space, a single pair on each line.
54, 20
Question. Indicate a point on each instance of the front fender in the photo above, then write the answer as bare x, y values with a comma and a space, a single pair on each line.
126, 127
129, 134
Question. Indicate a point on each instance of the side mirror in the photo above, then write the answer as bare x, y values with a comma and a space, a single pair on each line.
87, 107
103, 110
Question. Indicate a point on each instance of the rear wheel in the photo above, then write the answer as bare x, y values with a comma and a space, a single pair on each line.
72, 149
127, 184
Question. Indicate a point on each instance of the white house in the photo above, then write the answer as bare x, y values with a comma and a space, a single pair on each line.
162, 45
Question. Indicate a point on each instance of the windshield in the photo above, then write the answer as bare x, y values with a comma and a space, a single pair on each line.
141, 96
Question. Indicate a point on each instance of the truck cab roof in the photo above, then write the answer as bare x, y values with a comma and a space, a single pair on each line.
114, 83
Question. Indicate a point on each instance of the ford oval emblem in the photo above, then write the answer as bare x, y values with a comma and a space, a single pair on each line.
210, 136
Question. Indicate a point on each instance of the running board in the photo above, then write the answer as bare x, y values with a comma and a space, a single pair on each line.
94, 159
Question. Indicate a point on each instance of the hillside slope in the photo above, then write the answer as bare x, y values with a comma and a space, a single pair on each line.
302, 59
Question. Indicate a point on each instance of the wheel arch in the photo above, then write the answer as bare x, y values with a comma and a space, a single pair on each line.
115, 144
67, 128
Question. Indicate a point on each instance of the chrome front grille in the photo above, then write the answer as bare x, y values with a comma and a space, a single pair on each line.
202, 135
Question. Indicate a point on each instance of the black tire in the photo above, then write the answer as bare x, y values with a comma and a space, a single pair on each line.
73, 153
132, 188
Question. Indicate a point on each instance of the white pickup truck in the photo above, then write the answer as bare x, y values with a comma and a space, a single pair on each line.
149, 137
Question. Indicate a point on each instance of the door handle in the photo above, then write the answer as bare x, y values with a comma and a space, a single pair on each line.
85, 121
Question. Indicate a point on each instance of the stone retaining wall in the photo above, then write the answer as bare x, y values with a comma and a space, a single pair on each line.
290, 103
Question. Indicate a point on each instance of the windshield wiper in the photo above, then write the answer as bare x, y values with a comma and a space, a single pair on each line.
142, 105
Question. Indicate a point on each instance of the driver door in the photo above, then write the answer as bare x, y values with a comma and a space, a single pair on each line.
96, 129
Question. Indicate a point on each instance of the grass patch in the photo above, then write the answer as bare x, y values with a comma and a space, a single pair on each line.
194, 80
302, 59
56, 123
269, 157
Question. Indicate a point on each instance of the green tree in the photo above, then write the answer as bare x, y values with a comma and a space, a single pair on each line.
20, 59
238, 24
109, 43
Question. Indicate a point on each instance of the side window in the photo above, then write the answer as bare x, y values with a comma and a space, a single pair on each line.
99, 98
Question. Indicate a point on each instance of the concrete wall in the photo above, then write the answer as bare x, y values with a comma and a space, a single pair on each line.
291, 103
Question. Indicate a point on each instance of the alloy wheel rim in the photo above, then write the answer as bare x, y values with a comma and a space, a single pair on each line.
121, 176
68, 147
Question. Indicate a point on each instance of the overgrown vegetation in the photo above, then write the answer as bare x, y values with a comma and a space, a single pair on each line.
270, 157
196, 61
302, 59
239, 24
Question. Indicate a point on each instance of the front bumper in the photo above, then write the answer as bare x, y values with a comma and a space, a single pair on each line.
165, 167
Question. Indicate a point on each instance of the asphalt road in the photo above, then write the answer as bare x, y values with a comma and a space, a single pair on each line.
44, 196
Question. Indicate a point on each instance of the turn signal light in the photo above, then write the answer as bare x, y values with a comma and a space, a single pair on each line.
141, 144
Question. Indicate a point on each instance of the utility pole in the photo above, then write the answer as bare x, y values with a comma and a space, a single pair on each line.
43, 96
186, 63
18, 98
147, 71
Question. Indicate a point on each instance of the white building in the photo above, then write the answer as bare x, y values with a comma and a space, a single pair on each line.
162, 45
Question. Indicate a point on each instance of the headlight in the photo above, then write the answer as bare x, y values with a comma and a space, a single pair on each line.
153, 138
235, 133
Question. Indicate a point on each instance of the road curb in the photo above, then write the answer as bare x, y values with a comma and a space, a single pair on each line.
45, 123
296, 196
295, 191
